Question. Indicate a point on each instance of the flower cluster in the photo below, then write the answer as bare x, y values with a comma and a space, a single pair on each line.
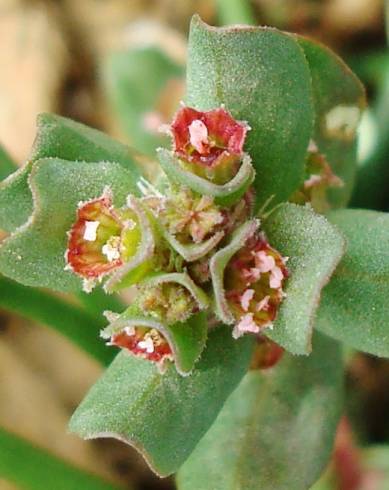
188, 244
254, 279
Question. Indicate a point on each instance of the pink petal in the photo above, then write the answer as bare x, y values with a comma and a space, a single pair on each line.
264, 262
198, 133
263, 304
245, 325
247, 296
276, 277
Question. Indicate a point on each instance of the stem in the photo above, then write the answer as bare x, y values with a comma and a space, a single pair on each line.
78, 325
235, 12
33, 468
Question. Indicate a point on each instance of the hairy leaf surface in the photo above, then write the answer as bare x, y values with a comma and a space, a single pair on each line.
163, 416
277, 428
354, 307
262, 77
59, 137
34, 254
314, 247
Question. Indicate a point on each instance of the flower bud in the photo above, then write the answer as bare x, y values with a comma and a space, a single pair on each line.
208, 139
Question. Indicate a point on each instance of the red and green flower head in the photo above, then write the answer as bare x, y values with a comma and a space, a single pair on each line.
144, 342
208, 138
102, 239
254, 280
95, 239
248, 277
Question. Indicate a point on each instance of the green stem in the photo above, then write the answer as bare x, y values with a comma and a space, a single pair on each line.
78, 325
235, 12
32, 468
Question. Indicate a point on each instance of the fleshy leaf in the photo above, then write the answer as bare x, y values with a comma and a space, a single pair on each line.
339, 100
314, 247
7, 165
58, 137
163, 416
34, 254
225, 194
142, 86
32, 468
354, 306
15, 199
277, 428
262, 77
186, 339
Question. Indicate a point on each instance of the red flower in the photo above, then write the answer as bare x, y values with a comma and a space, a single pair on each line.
254, 280
94, 240
208, 138
144, 342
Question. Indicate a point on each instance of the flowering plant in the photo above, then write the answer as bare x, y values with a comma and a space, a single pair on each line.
226, 250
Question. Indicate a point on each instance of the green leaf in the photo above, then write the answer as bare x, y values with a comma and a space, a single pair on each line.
314, 248
163, 416
58, 137
339, 99
34, 254
276, 430
15, 199
186, 339
136, 83
32, 468
354, 306
262, 77
79, 326
7, 165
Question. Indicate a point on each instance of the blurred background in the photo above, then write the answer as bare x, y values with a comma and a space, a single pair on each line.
118, 66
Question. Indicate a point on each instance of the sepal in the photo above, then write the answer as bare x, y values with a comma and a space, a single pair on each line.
145, 336
225, 194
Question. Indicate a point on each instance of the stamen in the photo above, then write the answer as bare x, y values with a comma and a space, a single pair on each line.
276, 277
90, 233
247, 296
111, 249
147, 345
198, 133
